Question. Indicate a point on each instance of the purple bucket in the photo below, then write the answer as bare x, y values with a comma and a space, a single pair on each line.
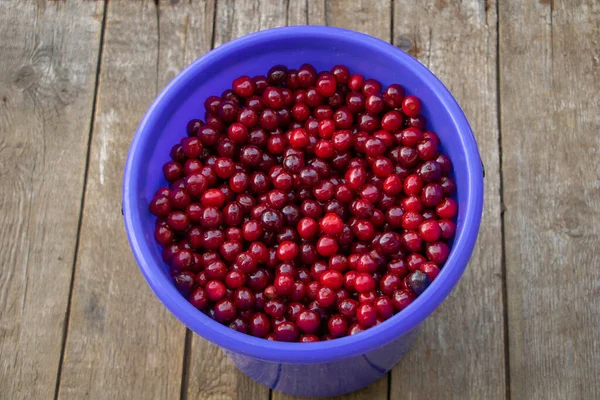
302, 369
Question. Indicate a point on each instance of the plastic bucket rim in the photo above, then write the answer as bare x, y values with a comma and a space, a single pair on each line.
341, 348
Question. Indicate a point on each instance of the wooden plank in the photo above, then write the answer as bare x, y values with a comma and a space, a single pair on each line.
306, 12
122, 342
186, 32
460, 351
238, 18
370, 17
374, 19
375, 391
210, 374
550, 85
47, 76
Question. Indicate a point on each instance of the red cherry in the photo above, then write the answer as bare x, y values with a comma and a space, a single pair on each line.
366, 315
332, 279
331, 224
308, 321
411, 106
287, 251
327, 246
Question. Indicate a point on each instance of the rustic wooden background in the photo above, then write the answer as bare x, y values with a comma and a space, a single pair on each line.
77, 319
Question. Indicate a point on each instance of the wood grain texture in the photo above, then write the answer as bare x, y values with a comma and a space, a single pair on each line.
375, 391
48, 60
122, 343
306, 12
210, 374
371, 17
238, 18
460, 351
550, 99
185, 34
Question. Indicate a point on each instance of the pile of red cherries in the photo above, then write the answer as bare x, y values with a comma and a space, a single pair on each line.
306, 206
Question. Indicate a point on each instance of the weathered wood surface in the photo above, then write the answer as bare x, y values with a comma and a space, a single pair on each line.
460, 350
48, 60
550, 103
122, 343
528, 80
306, 12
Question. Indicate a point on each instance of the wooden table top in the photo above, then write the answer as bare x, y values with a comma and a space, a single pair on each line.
78, 320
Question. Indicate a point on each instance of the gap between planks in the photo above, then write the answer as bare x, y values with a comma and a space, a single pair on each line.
82, 204
503, 241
